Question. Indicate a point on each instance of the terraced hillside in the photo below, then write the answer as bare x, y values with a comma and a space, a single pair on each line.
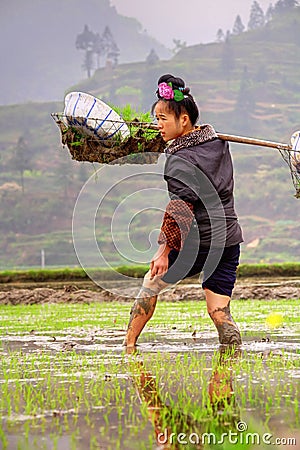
248, 85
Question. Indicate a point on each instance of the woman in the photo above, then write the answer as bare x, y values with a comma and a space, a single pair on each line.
200, 230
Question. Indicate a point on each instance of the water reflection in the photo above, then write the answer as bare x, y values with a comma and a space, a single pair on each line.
175, 429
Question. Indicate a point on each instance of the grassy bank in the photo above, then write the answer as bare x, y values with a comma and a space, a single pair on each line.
76, 274
269, 270
69, 274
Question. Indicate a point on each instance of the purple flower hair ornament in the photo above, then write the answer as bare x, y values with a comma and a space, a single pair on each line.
166, 91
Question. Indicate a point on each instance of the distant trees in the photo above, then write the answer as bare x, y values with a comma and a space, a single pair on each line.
280, 7
100, 45
85, 40
257, 17
283, 6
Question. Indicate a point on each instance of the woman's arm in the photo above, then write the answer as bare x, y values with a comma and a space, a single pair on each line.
176, 223
160, 262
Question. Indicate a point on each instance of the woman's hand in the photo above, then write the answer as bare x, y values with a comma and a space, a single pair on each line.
160, 262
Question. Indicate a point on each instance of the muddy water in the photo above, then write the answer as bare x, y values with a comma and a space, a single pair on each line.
129, 425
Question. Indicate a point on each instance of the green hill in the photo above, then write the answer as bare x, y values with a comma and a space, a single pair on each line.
249, 85
37, 45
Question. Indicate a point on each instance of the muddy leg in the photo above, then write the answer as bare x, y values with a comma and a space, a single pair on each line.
218, 307
141, 311
143, 308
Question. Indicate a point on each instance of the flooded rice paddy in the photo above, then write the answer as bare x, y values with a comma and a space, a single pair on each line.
66, 381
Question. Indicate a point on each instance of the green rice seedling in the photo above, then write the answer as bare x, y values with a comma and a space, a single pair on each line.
195, 385
3, 438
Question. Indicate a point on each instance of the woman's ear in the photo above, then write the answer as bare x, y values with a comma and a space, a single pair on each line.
185, 119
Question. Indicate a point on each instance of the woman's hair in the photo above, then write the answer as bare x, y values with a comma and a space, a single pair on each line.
185, 105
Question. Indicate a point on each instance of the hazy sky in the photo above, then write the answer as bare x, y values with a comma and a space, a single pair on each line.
193, 21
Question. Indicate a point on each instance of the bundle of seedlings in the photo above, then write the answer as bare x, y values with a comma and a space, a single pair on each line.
142, 145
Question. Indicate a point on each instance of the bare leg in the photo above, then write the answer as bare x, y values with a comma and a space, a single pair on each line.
218, 307
143, 308
141, 311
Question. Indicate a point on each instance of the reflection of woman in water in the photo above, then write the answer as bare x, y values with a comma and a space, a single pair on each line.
169, 424
200, 230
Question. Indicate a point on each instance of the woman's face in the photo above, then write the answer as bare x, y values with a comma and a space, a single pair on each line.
169, 126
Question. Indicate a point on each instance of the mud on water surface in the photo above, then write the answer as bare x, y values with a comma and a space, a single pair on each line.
74, 387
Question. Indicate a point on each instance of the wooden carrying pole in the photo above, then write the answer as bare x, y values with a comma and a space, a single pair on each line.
252, 141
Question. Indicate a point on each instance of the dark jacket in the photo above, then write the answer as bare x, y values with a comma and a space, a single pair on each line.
202, 175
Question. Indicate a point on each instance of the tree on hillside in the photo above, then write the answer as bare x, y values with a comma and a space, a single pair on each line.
178, 45
152, 58
113, 55
101, 46
88, 62
270, 13
86, 41
220, 35
99, 49
283, 6
238, 26
257, 17
110, 47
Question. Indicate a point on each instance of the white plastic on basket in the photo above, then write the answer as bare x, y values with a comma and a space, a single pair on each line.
93, 116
